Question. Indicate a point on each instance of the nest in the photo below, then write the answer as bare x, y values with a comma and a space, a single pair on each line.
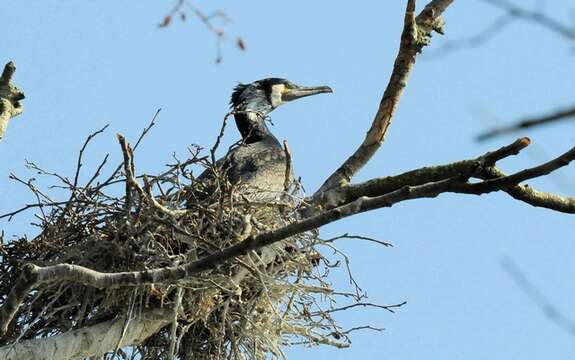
247, 308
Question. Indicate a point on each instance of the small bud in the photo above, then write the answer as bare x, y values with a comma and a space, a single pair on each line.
166, 22
241, 44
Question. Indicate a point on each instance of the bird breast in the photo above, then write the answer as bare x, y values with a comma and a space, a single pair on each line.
259, 168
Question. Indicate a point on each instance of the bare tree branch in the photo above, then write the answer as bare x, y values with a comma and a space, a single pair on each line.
10, 97
481, 168
537, 171
416, 34
556, 116
475, 40
90, 341
7, 73
511, 14
383, 185
179, 10
532, 196
535, 295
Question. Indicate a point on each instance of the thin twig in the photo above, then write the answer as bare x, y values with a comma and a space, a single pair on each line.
535, 295
561, 115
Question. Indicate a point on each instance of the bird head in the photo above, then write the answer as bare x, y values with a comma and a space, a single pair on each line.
263, 96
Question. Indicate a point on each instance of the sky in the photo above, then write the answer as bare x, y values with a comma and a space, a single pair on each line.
84, 64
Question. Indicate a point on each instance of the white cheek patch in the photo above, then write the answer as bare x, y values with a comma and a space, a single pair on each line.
276, 95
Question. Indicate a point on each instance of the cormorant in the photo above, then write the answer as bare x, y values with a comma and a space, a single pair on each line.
259, 163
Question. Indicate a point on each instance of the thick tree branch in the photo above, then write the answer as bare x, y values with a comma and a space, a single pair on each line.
481, 168
92, 341
532, 196
537, 171
416, 34
378, 186
10, 97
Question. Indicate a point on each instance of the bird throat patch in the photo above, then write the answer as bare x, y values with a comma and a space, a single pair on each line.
276, 94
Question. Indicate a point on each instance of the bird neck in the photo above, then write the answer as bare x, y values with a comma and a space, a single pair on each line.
252, 126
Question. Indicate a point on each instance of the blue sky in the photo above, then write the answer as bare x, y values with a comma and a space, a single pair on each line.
84, 64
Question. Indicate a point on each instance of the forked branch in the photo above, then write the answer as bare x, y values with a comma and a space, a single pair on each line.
416, 34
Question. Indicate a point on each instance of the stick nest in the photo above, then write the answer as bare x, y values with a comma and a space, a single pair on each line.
247, 308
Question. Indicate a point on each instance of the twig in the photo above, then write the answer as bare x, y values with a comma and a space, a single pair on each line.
347, 236
390, 308
9, 215
219, 137
532, 196
514, 179
81, 153
366, 327
536, 17
207, 20
119, 167
511, 14
132, 183
538, 298
492, 30
565, 114
129, 317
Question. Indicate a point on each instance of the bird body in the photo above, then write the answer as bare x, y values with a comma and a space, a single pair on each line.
258, 164
259, 168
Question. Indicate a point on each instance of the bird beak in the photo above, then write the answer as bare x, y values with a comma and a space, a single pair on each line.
303, 91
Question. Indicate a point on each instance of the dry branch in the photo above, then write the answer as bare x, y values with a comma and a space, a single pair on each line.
378, 186
480, 168
534, 16
180, 10
511, 13
547, 307
416, 34
10, 97
92, 341
565, 114
532, 196
514, 179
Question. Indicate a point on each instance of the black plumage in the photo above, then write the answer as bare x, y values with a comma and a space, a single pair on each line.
258, 164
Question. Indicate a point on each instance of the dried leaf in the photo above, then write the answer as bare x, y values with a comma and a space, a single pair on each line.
166, 22
240, 43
